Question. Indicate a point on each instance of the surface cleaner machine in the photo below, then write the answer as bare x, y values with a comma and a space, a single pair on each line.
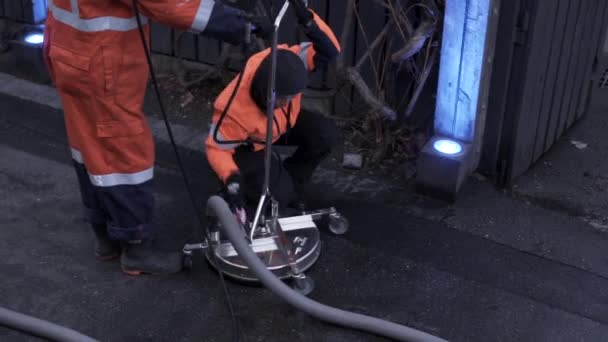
273, 248
288, 246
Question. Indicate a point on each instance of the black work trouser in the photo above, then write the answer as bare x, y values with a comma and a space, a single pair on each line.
126, 210
313, 134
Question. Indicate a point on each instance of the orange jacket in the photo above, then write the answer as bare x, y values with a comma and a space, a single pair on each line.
111, 24
97, 62
111, 16
245, 119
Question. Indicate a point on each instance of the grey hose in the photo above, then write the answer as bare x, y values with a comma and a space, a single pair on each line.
303, 303
40, 328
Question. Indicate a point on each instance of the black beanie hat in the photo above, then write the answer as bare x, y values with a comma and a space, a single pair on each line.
291, 77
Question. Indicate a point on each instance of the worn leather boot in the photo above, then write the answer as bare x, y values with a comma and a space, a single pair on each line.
106, 249
142, 257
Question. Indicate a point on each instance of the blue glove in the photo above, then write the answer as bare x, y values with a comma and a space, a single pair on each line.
262, 27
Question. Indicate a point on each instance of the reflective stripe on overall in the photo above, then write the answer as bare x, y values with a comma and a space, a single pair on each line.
73, 19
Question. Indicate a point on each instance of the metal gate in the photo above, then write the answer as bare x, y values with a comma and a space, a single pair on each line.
542, 79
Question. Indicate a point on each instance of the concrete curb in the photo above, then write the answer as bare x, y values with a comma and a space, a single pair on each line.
29, 91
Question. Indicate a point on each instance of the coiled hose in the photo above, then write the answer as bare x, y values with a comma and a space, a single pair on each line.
323, 312
37, 327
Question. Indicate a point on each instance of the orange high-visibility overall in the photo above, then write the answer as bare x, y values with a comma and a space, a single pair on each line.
97, 62
245, 119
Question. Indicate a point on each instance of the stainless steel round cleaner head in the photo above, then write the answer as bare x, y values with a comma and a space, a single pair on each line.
292, 245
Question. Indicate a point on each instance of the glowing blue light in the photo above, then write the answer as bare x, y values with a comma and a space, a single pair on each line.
39, 9
446, 146
461, 68
34, 38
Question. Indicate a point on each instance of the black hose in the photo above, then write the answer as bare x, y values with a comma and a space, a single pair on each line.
224, 114
189, 188
37, 327
323, 312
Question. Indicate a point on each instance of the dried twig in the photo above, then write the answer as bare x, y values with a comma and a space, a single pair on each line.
415, 43
421, 83
416, 56
372, 47
353, 77
364, 34
400, 20
348, 22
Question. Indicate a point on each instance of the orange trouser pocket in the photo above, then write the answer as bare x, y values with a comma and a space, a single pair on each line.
72, 71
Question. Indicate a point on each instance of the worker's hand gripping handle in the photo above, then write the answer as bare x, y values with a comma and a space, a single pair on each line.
260, 26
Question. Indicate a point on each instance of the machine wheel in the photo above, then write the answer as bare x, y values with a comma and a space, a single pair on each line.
303, 284
187, 262
338, 224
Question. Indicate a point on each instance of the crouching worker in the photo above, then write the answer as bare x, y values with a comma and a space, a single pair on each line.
235, 145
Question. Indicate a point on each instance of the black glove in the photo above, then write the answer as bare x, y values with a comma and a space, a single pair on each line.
232, 192
302, 13
262, 27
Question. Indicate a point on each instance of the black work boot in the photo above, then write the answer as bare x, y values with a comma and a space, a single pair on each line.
144, 258
106, 249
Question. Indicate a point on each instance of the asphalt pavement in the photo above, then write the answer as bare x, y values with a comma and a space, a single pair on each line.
455, 283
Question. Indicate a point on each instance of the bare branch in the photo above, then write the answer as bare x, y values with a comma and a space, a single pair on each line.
348, 23
415, 43
421, 83
399, 18
364, 34
372, 47
352, 76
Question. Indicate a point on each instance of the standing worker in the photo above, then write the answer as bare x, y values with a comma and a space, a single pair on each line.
96, 60
235, 145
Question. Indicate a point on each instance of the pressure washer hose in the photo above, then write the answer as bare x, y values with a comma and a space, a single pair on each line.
37, 327
323, 312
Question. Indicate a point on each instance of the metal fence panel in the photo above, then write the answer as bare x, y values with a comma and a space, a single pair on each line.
208, 50
543, 69
13, 10
533, 84
596, 41
188, 46
580, 65
555, 47
504, 56
571, 70
28, 11
598, 87
161, 39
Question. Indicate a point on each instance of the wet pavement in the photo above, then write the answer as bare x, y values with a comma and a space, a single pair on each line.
459, 284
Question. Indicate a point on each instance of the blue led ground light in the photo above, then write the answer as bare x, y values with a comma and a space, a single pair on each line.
34, 38
449, 147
